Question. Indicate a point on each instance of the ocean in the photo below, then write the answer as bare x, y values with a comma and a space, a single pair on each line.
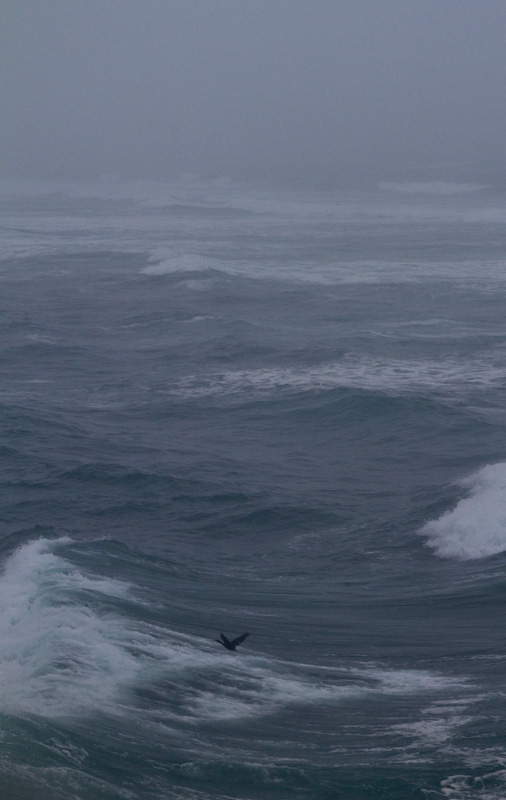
230, 409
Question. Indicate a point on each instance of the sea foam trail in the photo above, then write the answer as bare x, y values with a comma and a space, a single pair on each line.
389, 375
252, 687
476, 527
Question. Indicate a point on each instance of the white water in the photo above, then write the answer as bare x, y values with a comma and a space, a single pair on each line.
476, 527
387, 375
64, 652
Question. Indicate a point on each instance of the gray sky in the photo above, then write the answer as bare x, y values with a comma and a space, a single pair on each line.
253, 88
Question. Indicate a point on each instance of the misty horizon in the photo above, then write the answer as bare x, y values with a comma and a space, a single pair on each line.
283, 91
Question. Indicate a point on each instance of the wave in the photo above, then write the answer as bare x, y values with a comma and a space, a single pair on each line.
476, 527
386, 375
68, 647
433, 187
167, 263
490, 786
58, 654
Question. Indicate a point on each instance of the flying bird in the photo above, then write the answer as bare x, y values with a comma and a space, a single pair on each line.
231, 645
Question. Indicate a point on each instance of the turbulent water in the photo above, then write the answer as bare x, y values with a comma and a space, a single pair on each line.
228, 410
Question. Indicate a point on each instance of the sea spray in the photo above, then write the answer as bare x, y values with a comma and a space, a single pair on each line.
476, 526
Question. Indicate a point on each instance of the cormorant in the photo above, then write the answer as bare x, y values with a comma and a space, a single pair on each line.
231, 645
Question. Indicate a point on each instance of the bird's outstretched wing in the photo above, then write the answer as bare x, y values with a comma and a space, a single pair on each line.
224, 639
239, 639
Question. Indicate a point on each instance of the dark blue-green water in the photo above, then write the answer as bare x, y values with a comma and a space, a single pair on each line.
227, 410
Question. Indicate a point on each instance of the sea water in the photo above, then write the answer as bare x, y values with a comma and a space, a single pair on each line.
230, 409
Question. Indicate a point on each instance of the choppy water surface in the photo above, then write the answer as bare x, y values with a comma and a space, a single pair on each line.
226, 409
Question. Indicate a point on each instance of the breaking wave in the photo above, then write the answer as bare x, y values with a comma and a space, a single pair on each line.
476, 527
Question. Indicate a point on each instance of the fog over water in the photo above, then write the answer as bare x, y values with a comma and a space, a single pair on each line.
253, 359
254, 89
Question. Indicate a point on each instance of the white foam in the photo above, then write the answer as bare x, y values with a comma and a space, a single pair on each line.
409, 681
154, 217
261, 691
430, 732
388, 375
58, 655
437, 727
490, 786
337, 272
166, 263
476, 527
254, 689
66, 649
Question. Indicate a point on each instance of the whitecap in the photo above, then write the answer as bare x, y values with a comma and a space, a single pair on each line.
396, 376
59, 655
165, 263
476, 526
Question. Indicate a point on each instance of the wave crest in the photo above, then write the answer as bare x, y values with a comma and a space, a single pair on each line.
476, 527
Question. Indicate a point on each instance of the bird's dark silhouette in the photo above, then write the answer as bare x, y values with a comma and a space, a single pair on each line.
231, 645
